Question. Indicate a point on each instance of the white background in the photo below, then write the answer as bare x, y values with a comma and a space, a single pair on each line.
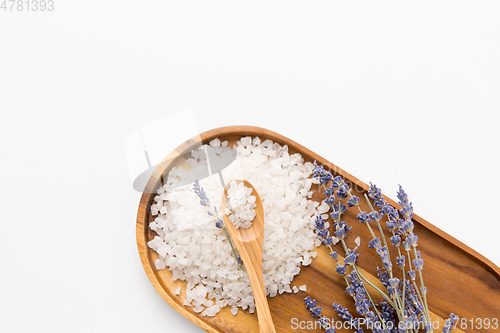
392, 91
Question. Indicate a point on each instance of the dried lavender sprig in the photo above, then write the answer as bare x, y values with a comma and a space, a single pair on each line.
377, 218
370, 323
406, 227
338, 182
414, 303
316, 312
400, 260
205, 201
363, 217
413, 286
412, 274
337, 211
376, 194
407, 212
344, 314
342, 271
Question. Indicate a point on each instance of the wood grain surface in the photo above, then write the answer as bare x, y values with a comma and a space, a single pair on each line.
458, 279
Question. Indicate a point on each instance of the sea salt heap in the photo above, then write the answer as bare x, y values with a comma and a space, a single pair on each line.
240, 205
195, 251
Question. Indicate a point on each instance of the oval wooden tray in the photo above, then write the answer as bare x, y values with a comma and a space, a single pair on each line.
458, 279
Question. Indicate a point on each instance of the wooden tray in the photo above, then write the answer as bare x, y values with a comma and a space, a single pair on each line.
458, 279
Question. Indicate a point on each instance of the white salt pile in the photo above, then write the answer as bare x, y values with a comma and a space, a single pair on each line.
194, 250
240, 205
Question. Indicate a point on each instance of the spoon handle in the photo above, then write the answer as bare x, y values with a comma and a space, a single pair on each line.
254, 270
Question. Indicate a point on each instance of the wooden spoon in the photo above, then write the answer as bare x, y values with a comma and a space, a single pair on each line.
248, 242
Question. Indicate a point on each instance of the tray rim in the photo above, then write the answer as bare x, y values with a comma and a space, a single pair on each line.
244, 130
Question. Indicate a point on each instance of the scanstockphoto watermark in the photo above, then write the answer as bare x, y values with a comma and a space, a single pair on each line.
27, 5
463, 323
373, 169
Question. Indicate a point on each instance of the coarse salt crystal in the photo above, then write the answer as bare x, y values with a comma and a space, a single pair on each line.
241, 205
215, 143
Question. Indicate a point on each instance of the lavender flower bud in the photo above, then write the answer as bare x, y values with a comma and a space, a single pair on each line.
200, 192
393, 282
219, 224
323, 322
412, 240
310, 303
323, 233
341, 193
353, 201
407, 212
320, 223
327, 241
334, 255
400, 261
321, 174
329, 192
391, 225
351, 257
316, 312
374, 192
387, 209
350, 290
418, 263
396, 240
362, 217
337, 181
330, 200
383, 277
449, 323
362, 308
341, 209
374, 244
340, 234
392, 292
374, 217
394, 214
412, 275
341, 269
382, 253
342, 312
407, 226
